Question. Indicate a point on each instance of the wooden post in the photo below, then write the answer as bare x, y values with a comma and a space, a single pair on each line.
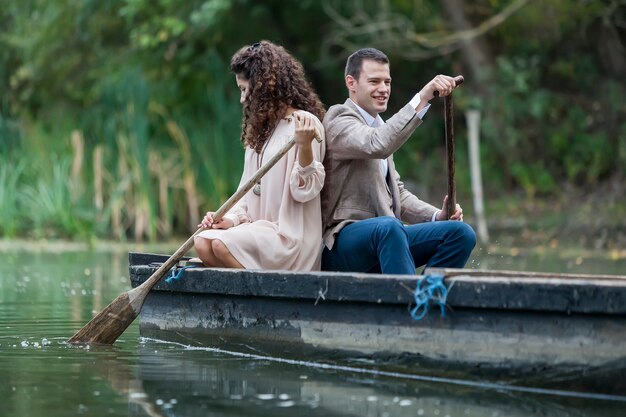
473, 132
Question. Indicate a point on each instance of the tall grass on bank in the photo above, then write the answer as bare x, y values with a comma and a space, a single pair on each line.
129, 169
107, 191
10, 213
81, 197
49, 208
222, 152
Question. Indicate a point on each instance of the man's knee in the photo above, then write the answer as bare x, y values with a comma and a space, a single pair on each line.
390, 226
466, 235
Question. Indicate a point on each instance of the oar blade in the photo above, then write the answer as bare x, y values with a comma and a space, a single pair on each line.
110, 323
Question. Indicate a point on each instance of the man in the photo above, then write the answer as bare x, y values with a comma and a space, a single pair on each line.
364, 203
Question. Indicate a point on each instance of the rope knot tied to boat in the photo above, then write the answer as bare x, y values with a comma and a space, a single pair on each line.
430, 289
176, 273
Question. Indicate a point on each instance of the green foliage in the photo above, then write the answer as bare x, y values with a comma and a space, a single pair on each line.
49, 207
9, 135
10, 213
147, 84
546, 137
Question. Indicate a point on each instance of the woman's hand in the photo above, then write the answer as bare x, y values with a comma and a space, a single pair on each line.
305, 128
304, 133
207, 222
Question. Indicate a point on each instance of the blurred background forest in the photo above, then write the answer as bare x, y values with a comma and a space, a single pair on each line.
119, 119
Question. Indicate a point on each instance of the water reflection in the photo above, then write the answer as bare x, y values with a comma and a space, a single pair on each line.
46, 296
204, 383
123, 380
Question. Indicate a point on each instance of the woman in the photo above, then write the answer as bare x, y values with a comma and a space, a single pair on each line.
277, 225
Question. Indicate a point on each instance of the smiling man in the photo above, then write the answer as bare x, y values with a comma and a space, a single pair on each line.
371, 222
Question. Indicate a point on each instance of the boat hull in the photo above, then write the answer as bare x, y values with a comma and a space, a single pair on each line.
363, 317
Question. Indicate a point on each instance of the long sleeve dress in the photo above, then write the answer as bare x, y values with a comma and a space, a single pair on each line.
282, 227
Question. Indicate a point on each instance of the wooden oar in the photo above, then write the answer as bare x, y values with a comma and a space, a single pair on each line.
449, 124
111, 322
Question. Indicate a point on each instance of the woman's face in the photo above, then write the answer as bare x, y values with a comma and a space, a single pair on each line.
242, 83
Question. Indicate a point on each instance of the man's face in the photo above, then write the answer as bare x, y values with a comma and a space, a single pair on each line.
373, 88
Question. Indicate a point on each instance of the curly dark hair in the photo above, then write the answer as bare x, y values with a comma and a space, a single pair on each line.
276, 82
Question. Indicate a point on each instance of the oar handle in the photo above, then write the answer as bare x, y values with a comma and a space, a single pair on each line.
458, 80
217, 216
450, 153
173, 260
255, 179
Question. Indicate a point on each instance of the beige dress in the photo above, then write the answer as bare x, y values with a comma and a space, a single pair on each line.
282, 227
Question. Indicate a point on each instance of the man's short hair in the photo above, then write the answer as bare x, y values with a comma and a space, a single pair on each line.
355, 61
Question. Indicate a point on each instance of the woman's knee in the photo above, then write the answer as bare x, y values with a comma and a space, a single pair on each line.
201, 245
204, 250
219, 249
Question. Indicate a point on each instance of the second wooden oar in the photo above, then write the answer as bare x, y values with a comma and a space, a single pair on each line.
449, 126
111, 322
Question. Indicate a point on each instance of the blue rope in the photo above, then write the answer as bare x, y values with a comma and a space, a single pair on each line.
429, 289
177, 273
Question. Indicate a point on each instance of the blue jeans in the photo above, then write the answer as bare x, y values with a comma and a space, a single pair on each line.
384, 244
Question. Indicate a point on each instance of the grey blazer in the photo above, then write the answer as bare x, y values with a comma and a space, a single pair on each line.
355, 188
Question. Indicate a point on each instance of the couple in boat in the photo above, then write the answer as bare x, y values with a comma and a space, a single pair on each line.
337, 204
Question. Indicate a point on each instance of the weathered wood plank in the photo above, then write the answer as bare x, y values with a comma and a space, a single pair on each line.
453, 272
504, 339
497, 320
566, 293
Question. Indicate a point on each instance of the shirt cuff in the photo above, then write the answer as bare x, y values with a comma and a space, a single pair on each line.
233, 218
415, 101
308, 170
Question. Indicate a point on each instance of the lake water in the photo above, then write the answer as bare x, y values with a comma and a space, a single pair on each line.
48, 294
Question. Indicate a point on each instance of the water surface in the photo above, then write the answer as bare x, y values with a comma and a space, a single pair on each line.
46, 295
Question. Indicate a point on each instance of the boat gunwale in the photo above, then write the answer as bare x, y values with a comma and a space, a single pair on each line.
479, 289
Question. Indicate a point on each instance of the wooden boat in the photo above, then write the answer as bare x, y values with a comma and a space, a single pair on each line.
496, 320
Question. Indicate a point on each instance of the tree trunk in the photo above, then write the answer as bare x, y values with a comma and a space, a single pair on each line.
475, 53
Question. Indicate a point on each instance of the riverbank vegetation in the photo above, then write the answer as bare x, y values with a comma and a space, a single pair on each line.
120, 119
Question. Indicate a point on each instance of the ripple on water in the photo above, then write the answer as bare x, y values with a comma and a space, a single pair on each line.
40, 314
